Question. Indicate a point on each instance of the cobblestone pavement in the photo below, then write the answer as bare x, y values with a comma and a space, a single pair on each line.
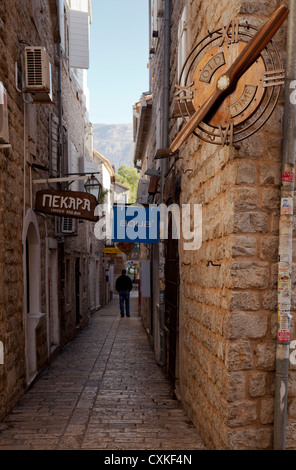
104, 391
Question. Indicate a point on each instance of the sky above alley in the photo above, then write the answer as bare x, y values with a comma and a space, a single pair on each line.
119, 54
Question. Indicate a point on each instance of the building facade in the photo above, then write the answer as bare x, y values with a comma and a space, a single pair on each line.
51, 270
217, 314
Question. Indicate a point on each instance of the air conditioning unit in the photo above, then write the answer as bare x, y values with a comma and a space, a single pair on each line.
38, 74
4, 134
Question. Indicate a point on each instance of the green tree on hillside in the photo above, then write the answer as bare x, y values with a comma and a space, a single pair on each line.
129, 176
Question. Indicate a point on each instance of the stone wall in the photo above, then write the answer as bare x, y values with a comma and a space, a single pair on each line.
34, 139
16, 25
228, 312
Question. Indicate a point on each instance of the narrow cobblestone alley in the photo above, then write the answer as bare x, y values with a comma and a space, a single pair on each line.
104, 391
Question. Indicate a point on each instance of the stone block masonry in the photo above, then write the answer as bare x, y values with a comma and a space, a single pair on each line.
228, 313
32, 259
17, 25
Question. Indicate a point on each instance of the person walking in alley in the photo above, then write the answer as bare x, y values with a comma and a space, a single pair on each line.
124, 286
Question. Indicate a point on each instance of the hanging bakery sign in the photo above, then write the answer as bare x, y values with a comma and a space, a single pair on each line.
72, 204
230, 83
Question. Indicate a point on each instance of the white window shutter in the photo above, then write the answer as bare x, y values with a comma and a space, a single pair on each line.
67, 225
182, 40
142, 195
78, 39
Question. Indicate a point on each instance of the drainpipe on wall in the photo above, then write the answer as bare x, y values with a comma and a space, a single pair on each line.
165, 139
61, 244
60, 163
150, 36
285, 242
59, 92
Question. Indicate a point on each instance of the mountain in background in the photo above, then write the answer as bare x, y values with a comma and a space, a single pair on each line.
115, 142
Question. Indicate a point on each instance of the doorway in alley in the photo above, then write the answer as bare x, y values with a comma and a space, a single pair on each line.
171, 303
77, 289
32, 292
53, 325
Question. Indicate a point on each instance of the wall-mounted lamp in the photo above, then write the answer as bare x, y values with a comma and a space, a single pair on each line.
152, 172
94, 187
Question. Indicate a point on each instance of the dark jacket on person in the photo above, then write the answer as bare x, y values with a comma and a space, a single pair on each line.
123, 283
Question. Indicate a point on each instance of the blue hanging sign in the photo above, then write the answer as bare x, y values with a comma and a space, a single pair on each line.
135, 224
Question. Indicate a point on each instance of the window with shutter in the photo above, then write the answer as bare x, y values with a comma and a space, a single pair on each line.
182, 48
37, 12
67, 225
78, 39
54, 144
182, 40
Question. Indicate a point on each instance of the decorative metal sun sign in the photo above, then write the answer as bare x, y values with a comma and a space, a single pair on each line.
245, 109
